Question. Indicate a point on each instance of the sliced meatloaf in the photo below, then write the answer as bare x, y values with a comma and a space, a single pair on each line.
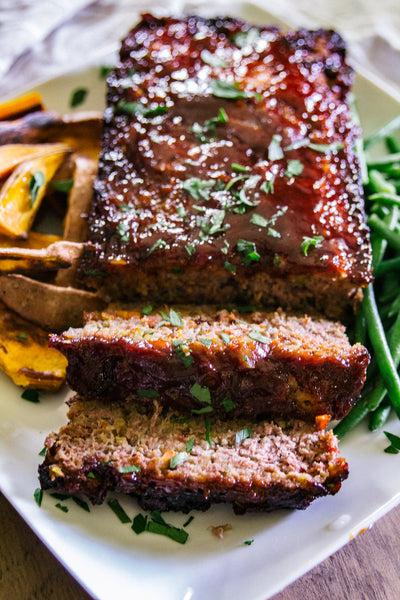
217, 362
174, 464
228, 171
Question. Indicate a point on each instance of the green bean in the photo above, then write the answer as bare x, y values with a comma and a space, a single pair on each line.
383, 132
380, 346
384, 231
379, 416
386, 266
392, 144
385, 197
383, 161
378, 183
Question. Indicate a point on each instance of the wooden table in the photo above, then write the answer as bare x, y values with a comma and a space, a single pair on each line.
368, 568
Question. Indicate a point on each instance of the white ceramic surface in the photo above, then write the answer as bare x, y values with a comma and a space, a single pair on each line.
111, 561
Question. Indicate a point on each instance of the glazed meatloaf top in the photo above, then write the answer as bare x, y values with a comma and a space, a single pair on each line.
228, 152
217, 362
173, 464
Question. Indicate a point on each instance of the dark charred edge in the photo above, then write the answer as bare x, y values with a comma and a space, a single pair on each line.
153, 494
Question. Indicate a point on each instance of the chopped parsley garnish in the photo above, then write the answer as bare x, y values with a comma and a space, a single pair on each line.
208, 430
394, 440
198, 188
212, 59
239, 168
211, 222
158, 244
202, 411
181, 211
187, 359
30, 395
248, 542
190, 249
190, 519
174, 318
139, 523
91, 475
249, 250
118, 510
258, 337
36, 181
133, 108
43, 451
201, 393
247, 38
189, 445
277, 260
228, 404
229, 267
123, 231
81, 503
203, 132
104, 70
233, 181
22, 336
225, 249
62, 507
129, 469
148, 393
333, 147
78, 97
225, 89
308, 242
63, 186
242, 202
243, 434
38, 496
294, 167
268, 186
207, 343
259, 220
225, 337
146, 310
275, 151
177, 459
163, 528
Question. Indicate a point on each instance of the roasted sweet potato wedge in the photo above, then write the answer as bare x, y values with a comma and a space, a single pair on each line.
25, 355
50, 306
12, 155
17, 107
59, 255
23, 191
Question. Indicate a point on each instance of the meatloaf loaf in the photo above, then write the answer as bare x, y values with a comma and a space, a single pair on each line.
228, 171
217, 362
174, 464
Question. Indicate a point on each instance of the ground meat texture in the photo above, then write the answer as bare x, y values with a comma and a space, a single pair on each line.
222, 362
260, 466
228, 172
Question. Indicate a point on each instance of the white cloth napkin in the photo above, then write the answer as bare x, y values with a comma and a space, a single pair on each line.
40, 39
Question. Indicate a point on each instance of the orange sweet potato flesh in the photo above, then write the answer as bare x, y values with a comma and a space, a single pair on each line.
25, 355
12, 155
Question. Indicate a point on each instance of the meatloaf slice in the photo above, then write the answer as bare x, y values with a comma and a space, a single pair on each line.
228, 171
175, 464
217, 362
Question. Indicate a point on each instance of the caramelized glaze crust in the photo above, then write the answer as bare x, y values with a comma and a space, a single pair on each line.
216, 134
269, 365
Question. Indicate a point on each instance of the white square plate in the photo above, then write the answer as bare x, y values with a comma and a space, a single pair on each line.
105, 556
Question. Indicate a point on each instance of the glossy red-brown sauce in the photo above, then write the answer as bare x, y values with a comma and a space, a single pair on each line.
297, 87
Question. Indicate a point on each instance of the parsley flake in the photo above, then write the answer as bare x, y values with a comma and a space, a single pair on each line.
226, 89
158, 244
294, 167
129, 469
198, 189
206, 342
201, 393
133, 108
275, 151
228, 404
36, 181
249, 250
229, 267
38, 496
268, 186
239, 168
187, 359
212, 59
31, 395
118, 510
225, 337
78, 97
65, 185
315, 241
248, 542
243, 434
190, 249
258, 337
62, 507
177, 459
139, 524
259, 220
175, 319
146, 310
247, 38
81, 503
123, 231
148, 393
